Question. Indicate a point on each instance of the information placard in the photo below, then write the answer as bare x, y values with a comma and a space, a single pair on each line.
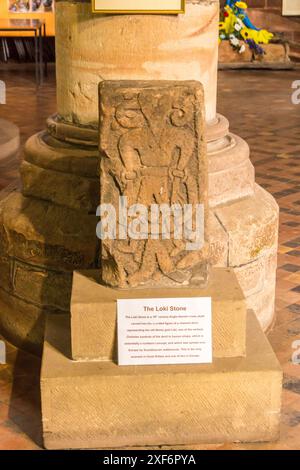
164, 331
139, 6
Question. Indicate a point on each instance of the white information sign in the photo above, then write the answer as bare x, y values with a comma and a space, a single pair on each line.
164, 331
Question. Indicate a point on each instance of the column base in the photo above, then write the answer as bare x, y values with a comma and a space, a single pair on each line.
48, 231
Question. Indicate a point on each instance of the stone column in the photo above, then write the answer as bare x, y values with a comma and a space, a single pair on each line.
48, 230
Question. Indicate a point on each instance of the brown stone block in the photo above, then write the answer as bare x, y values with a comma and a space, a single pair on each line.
263, 303
101, 405
22, 322
5, 273
228, 55
231, 174
61, 130
274, 53
43, 234
94, 313
251, 276
47, 152
66, 189
47, 289
3, 236
271, 268
152, 136
229, 152
252, 226
218, 245
231, 184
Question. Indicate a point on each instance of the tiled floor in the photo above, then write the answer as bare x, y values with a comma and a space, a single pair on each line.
258, 105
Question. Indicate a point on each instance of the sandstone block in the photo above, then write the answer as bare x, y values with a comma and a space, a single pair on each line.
41, 233
257, 275
66, 189
94, 313
275, 53
231, 174
226, 153
33, 284
45, 288
231, 184
5, 272
252, 227
101, 405
227, 55
47, 152
152, 138
22, 322
218, 246
263, 303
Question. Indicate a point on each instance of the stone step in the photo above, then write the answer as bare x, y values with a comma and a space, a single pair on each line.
94, 313
102, 405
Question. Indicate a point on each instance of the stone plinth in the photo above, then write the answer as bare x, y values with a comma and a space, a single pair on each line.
94, 313
98, 404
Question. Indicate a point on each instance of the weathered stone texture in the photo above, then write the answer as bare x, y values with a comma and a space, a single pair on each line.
146, 47
42, 287
22, 322
152, 139
274, 53
40, 246
236, 399
40, 233
252, 227
65, 189
48, 152
94, 313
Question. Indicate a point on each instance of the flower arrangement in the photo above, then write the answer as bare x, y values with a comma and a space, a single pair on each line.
236, 26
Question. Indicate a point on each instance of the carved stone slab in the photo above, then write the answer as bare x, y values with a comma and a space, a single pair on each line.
153, 155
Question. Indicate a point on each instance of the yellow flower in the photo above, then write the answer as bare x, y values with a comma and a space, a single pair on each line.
264, 36
260, 37
241, 5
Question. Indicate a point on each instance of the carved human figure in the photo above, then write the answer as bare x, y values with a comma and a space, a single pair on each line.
151, 156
